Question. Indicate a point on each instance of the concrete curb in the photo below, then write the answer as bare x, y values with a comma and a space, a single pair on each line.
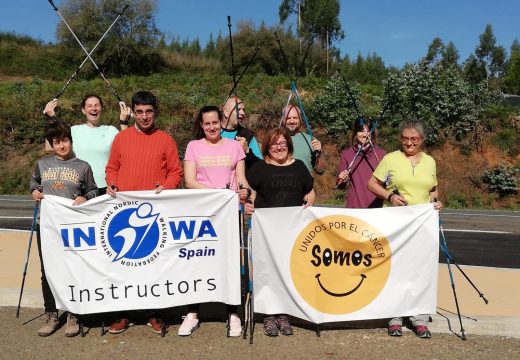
478, 325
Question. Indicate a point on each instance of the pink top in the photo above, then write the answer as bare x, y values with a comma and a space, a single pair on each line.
215, 164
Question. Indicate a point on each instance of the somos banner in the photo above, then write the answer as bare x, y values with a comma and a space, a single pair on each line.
331, 264
142, 250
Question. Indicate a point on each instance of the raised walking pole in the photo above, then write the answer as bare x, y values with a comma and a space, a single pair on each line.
86, 52
90, 53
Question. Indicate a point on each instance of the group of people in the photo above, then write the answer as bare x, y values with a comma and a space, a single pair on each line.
222, 155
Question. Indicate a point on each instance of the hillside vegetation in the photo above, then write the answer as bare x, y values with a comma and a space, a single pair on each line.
473, 136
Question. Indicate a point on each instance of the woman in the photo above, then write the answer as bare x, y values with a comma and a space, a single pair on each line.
92, 141
61, 174
213, 162
357, 164
279, 181
407, 177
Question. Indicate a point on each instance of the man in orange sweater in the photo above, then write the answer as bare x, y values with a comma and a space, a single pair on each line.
142, 157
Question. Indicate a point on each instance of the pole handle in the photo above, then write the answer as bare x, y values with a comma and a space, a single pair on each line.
124, 9
52, 4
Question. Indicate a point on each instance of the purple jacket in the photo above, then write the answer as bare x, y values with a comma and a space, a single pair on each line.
360, 172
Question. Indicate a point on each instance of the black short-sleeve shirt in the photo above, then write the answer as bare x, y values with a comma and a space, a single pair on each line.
279, 186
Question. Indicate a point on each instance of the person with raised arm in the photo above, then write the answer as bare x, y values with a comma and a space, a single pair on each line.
306, 148
233, 113
92, 139
357, 164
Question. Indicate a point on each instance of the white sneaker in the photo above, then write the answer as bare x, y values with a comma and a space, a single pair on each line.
234, 326
189, 325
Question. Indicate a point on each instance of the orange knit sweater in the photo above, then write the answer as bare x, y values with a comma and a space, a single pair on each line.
140, 161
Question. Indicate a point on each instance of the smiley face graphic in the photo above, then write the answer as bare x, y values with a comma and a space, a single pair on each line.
340, 263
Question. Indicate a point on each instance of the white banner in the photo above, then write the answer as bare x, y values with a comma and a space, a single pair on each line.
336, 264
142, 250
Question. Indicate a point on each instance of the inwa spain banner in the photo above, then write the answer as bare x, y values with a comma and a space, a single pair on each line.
142, 250
332, 264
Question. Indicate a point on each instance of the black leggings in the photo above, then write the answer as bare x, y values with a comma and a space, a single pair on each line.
48, 299
230, 309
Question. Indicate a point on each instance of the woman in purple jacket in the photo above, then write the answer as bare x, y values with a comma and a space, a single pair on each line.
357, 164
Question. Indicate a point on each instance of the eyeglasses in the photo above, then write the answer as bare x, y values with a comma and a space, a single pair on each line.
413, 139
281, 144
146, 112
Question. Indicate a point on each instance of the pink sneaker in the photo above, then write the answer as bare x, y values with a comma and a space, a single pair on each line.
234, 326
189, 325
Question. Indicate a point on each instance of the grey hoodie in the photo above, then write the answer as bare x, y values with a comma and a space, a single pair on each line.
66, 178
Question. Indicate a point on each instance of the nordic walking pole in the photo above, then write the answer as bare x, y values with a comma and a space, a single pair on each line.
300, 69
443, 244
449, 257
283, 112
257, 49
293, 87
33, 226
251, 297
90, 53
86, 52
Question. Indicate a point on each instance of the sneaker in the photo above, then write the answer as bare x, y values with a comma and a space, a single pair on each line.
119, 326
156, 324
234, 326
51, 324
270, 326
189, 325
284, 326
423, 332
72, 327
395, 330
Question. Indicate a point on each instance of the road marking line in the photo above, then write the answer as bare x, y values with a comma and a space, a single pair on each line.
478, 231
19, 200
14, 230
483, 215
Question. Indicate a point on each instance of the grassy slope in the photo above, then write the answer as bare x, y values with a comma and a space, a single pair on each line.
180, 95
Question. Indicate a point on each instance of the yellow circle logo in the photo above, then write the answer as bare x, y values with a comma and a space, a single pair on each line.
339, 264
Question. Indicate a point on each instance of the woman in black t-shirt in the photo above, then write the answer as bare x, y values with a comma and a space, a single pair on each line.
279, 181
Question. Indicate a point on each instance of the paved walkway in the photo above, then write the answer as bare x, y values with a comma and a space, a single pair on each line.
500, 286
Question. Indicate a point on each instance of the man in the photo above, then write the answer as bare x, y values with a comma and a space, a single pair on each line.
142, 158
306, 149
233, 111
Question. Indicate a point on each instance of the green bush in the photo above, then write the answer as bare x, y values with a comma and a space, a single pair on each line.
456, 201
506, 140
502, 179
335, 109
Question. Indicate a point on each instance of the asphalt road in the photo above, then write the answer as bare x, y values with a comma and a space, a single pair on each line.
474, 237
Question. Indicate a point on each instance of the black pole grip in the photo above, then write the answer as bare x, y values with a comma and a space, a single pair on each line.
52, 4
124, 9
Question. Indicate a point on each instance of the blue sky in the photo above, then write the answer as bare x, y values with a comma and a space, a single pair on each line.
397, 30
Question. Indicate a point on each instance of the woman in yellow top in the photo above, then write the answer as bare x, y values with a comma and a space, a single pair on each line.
407, 177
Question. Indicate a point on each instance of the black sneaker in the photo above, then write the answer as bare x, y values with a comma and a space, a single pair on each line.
283, 325
270, 326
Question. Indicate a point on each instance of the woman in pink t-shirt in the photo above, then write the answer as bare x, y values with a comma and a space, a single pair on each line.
213, 162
